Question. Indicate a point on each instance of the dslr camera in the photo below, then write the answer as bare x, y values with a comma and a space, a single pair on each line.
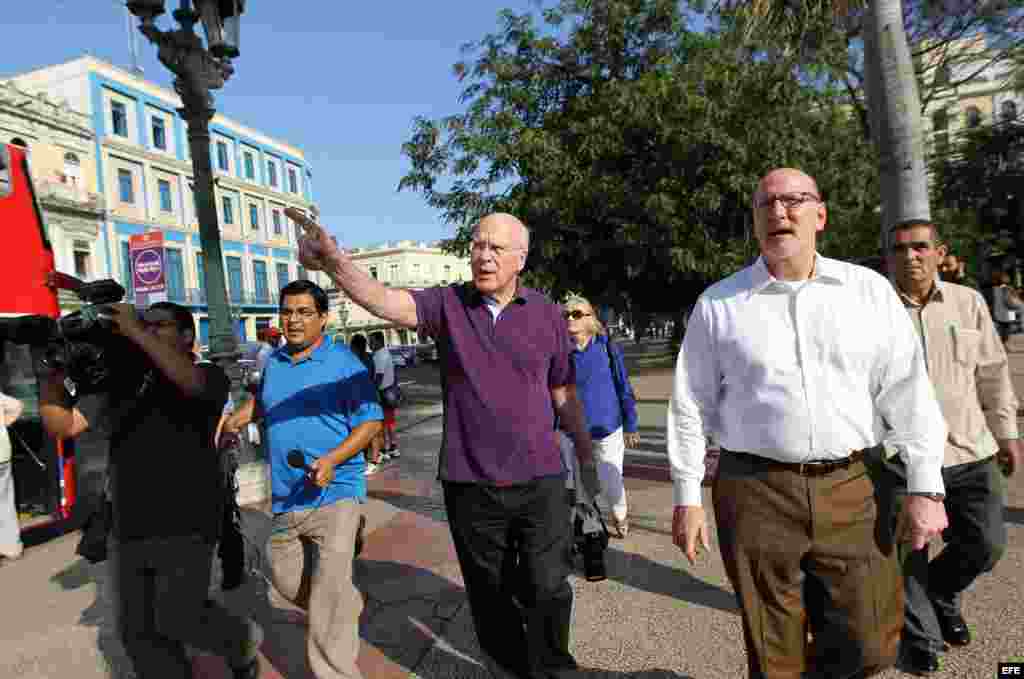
78, 344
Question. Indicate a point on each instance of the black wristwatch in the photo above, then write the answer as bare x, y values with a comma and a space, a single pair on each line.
938, 497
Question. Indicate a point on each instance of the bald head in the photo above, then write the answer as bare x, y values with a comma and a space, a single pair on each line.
507, 225
788, 176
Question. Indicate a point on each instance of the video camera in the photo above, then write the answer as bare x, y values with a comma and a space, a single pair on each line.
78, 344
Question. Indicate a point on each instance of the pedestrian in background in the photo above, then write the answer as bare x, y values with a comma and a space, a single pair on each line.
384, 375
1006, 305
374, 455
10, 533
317, 401
602, 385
507, 376
971, 376
789, 364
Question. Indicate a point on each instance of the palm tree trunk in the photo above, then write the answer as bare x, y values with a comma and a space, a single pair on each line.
895, 116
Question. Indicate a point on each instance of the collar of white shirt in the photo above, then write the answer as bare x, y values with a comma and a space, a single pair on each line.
826, 270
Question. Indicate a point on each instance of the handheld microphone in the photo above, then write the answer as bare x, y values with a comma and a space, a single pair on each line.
298, 461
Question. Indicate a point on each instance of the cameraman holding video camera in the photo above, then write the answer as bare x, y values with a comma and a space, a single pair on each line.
166, 488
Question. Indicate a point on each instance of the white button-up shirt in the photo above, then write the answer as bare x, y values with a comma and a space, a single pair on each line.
801, 372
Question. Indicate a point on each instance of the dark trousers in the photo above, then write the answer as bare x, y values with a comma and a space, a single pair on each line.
975, 541
513, 544
780, 532
161, 591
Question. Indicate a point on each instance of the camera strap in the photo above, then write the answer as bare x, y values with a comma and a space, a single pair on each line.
31, 453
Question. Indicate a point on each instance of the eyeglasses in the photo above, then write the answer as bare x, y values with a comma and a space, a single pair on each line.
790, 201
302, 314
576, 314
480, 247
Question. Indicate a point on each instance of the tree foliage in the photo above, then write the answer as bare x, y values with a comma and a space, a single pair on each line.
978, 187
631, 147
825, 38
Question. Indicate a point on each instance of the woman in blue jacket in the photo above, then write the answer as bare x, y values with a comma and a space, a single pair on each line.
609, 404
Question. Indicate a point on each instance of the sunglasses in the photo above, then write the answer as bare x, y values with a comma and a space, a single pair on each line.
575, 314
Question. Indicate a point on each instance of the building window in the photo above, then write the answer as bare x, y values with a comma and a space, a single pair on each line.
119, 118
125, 183
272, 173
229, 212
447, 273
164, 189
416, 272
250, 166
201, 276
175, 275
82, 254
259, 277
973, 116
293, 180
373, 272
282, 275
254, 217
72, 169
1008, 111
276, 214
234, 279
222, 156
393, 273
159, 134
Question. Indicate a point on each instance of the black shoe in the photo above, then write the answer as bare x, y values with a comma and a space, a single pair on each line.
250, 671
954, 629
918, 661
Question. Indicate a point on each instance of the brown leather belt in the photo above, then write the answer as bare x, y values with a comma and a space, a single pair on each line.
819, 468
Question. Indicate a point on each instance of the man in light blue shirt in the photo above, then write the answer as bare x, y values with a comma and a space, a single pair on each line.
317, 400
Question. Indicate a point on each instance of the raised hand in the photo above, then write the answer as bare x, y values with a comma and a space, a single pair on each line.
317, 248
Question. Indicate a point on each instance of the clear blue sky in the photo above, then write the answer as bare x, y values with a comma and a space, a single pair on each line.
340, 80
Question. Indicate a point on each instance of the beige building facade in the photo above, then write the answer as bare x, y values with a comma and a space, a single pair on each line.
402, 264
61, 158
986, 98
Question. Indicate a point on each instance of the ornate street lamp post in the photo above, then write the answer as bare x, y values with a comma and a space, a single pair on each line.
197, 71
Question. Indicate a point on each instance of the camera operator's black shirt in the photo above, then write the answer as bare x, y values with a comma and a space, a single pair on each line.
165, 471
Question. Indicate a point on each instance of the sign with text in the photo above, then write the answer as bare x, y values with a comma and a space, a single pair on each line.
148, 276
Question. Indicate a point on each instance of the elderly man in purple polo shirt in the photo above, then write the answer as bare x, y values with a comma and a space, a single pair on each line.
505, 357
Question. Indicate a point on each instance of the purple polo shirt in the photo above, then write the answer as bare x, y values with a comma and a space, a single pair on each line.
497, 379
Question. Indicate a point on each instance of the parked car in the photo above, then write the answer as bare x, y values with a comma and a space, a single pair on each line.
403, 355
426, 351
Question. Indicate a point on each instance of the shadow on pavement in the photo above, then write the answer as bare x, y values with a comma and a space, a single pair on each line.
585, 673
100, 613
1014, 515
639, 572
431, 506
407, 609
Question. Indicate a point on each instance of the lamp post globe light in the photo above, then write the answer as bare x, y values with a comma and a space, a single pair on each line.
198, 70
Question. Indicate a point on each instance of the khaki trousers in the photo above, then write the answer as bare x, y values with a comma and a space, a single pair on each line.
321, 582
779, 532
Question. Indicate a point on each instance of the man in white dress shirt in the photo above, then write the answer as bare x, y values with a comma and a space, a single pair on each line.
792, 365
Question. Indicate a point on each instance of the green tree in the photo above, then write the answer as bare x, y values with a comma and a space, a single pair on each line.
977, 185
894, 58
631, 147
